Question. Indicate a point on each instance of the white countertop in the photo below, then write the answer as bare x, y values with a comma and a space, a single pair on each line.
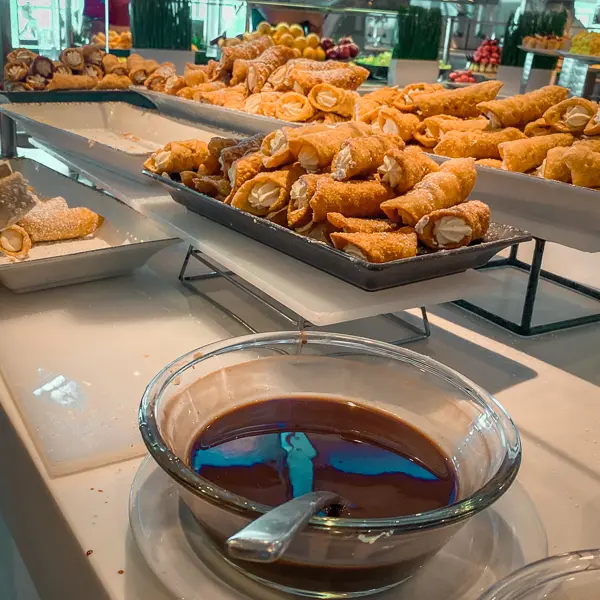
549, 385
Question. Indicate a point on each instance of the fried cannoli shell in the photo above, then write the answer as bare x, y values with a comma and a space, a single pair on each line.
187, 178
384, 96
61, 68
174, 84
329, 98
111, 64
525, 155
228, 97
394, 122
537, 127
349, 198
42, 66
363, 156
454, 227
248, 50
158, 80
405, 102
36, 82
15, 199
212, 166
275, 146
92, 55
73, 58
571, 116
315, 151
211, 86
239, 71
54, 226
592, 143
458, 103
215, 186
476, 144
348, 79
584, 166
294, 107
16, 71
141, 70
114, 82
21, 55
263, 103
523, 108
377, 247
440, 125
366, 110
175, 157
230, 154
593, 126
194, 76
133, 60
491, 163
299, 211
93, 71
403, 169
17, 86
554, 165
443, 189
15, 242
242, 170
277, 80
354, 225
72, 82
266, 192
261, 68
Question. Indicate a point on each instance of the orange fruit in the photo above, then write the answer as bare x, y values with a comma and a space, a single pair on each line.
312, 39
297, 53
300, 43
287, 39
310, 53
264, 28
282, 28
320, 53
296, 30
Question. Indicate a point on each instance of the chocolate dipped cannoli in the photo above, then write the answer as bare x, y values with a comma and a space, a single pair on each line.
111, 64
92, 55
328, 98
354, 225
571, 116
71, 82
42, 66
462, 102
584, 166
175, 157
294, 107
73, 58
476, 144
554, 165
525, 155
454, 227
377, 247
15, 71
394, 122
114, 82
403, 169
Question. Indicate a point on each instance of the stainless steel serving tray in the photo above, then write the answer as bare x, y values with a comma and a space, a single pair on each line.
360, 273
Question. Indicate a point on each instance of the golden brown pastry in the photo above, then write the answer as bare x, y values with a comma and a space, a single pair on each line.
248, 50
454, 227
462, 102
275, 147
114, 82
73, 58
134, 59
15, 242
377, 247
15, 71
175, 157
584, 166
402, 170
16, 86
384, 96
394, 122
194, 76
230, 154
140, 71
198, 91
571, 116
174, 84
525, 155
21, 55
294, 107
299, 212
215, 186
15, 197
405, 101
41, 66
36, 82
158, 80
476, 144
521, 109
328, 98
366, 110
349, 79
491, 163
72, 82
431, 130
242, 170
593, 126
260, 69
353, 225
554, 165
263, 103
212, 166
44, 225
93, 71
111, 64
228, 97
537, 127
592, 143
92, 55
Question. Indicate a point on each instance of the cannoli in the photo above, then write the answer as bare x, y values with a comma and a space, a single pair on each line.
215, 186
229, 54
242, 170
443, 189
111, 64
491, 163
592, 143
93, 71
174, 84
377, 247
16, 86
41, 66
521, 109
571, 116
72, 82
230, 154
276, 80
349, 198
21, 55
537, 127
279, 217
186, 155
134, 59
228, 97
45, 225
525, 155
114, 82
554, 165
402, 170
158, 80
458, 103
348, 79
294, 107
405, 101
266, 192
36, 82
141, 70
329, 98
212, 166
436, 127
198, 91
476, 144
454, 227
384, 96
92, 55
261, 68
299, 211
16, 71
263, 103
363, 156
61, 68
353, 225
394, 122
275, 147
194, 76
366, 110
187, 178
584, 166
73, 58
15, 199
332, 118
593, 126
239, 71
15, 242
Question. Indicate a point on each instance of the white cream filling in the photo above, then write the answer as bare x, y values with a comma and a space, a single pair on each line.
355, 251
576, 117
252, 104
232, 173
298, 194
450, 230
327, 99
390, 127
14, 72
342, 163
297, 88
390, 171
44, 68
263, 195
277, 77
11, 240
597, 118
73, 59
408, 99
542, 170
36, 79
278, 142
161, 160
293, 109
421, 224
308, 159
429, 133
494, 121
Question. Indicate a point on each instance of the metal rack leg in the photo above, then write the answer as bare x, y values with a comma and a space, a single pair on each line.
8, 137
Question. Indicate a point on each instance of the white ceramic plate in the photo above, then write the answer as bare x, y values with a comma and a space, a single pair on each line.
503, 538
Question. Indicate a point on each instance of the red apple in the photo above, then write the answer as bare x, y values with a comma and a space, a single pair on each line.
344, 51
345, 40
484, 61
493, 60
332, 53
453, 76
327, 43
354, 49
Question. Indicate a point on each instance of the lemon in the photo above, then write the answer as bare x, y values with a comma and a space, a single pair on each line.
282, 28
287, 39
320, 53
312, 39
296, 30
309, 52
264, 28
300, 43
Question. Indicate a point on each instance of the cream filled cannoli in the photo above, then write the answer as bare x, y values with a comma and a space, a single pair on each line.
212, 166
554, 165
140, 71
347, 78
571, 116
584, 166
92, 55
454, 227
593, 126
73, 58
21, 55
111, 64
328, 98
405, 102
114, 82
275, 147
246, 51
443, 189
315, 151
260, 69
525, 155
363, 156
349, 198
366, 110
521, 109
263, 103
402, 170
174, 84
16, 86
476, 144
133, 59
299, 211
231, 153
193, 75
71, 82
215, 186
15, 242
377, 247
491, 163
41, 66
158, 80
15, 198
36, 82
15, 71
61, 68
294, 107
242, 170
354, 225
186, 155
44, 225
228, 97
267, 192
537, 127
394, 122
458, 103
433, 128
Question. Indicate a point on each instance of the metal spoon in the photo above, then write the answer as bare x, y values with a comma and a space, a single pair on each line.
267, 538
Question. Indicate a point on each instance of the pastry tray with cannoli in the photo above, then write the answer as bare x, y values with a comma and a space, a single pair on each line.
66, 232
356, 271
115, 135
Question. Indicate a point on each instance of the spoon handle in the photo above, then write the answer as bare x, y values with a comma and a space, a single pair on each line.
267, 538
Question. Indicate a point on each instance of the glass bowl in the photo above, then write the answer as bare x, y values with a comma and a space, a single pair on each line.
571, 576
332, 557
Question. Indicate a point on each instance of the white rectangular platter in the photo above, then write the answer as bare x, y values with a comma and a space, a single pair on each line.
124, 242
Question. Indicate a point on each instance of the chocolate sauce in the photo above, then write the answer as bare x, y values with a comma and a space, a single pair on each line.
272, 451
